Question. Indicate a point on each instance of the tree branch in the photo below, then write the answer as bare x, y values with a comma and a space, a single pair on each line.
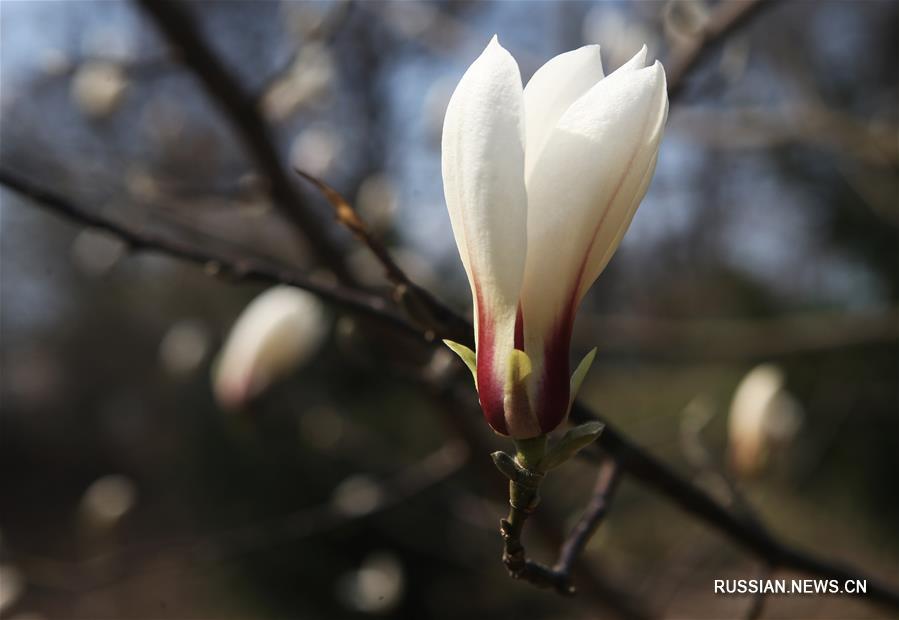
727, 17
606, 485
242, 268
176, 23
396, 489
632, 460
558, 577
179, 28
425, 310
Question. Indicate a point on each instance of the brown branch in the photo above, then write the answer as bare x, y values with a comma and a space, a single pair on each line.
423, 308
606, 484
176, 23
740, 339
727, 17
396, 490
558, 577
241, 268
632, 459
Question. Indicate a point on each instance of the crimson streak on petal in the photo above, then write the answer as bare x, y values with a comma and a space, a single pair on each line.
553, 389
490, 387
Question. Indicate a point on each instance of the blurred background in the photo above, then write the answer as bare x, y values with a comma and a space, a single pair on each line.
748, 327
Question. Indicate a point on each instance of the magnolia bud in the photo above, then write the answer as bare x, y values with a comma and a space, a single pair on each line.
762, 414
277, 332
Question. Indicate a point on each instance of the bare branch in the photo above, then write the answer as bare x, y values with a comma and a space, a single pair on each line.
88, 574
559, 576
423, 308
727, 17
241, 268
239, 105
632, 459
606, 484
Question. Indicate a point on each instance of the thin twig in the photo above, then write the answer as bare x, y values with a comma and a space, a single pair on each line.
423, 308
242, 268
606, 484
727, 17
325, 34
632, 459
558, 577
178, 26
88, 574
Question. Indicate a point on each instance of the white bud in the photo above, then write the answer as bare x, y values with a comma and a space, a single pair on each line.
376, 587
762, 414
108, 499
98, 88
276, 333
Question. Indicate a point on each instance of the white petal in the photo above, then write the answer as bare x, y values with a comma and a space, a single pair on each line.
279, 330
552, 89
483, 178
637, 62
584, 190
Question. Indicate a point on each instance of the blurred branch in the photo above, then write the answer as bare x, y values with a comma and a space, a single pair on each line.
727, 17
632, 459
757, 606
324, 34
558, 577
397, 489
241, 268
606, 484
176, 23
423, 308
741, 339
751, 535
868, 140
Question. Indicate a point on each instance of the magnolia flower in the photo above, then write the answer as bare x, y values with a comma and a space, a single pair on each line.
763, 415
277, 331
541, 183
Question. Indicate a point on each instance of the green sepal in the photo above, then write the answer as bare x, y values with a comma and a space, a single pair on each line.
512, 469
515, 389
577, 377
467, 355
506, 464
575, 440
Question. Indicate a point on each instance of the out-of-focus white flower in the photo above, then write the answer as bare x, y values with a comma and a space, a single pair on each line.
184, 347
541, 184
356, 496
376, 587
762, 414
308, 80
108, 499
276, 333
95, 252
315, 150
11, 585
98, 88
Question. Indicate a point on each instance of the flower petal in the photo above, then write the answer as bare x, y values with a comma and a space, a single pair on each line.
582, 194
483, 178
552, 89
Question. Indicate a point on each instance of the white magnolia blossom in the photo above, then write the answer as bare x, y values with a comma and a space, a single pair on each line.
278, 331
541, 183
763, 414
